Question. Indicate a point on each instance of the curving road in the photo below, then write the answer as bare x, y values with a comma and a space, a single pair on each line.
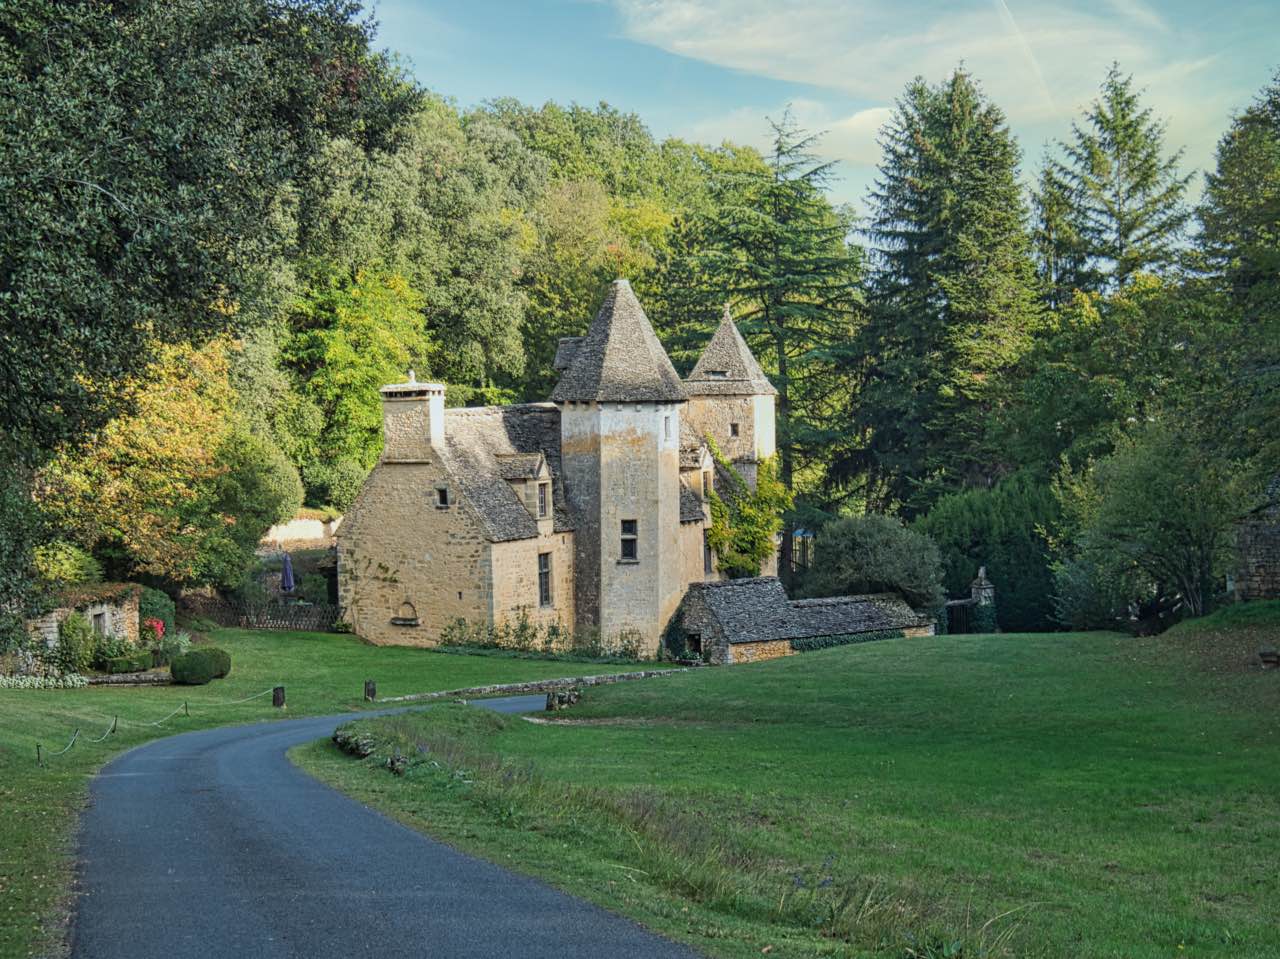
212, 844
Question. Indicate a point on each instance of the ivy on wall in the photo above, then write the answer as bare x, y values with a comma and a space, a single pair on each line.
744, 522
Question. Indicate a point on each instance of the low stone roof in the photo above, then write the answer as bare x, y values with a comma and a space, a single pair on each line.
484, 443
620, 359
758, 610
727, 366
690, 505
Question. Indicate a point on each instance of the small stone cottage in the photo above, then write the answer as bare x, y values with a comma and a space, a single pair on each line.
110, 608
745, 620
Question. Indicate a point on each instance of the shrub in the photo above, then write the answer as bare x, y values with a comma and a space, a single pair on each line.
65, 681
135, 662
809, 643
64, 564
985, 618
876, 554
171, 647
198, 666
155, 604
107, 648
76, 645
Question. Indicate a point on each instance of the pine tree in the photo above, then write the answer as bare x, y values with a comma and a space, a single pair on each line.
1125, 196
774, 247
954, 295
1240, 245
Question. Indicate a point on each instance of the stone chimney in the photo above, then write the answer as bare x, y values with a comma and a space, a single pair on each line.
412, 421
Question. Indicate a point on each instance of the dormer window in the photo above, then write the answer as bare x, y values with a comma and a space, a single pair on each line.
442, 497
544, 500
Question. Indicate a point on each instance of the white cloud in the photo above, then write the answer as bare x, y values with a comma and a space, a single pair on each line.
1041, 62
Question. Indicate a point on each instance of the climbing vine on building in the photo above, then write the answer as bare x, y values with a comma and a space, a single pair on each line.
744, 522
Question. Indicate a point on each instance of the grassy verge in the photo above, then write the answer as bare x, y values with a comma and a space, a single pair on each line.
1058, 795
322, 673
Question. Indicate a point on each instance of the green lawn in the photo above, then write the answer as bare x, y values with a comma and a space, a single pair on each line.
1051, 795
322, 673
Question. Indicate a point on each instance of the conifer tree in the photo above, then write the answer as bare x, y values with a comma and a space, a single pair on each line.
773, 245
954, 294
1126, 211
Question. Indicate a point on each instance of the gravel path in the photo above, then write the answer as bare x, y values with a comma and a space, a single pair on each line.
212, 844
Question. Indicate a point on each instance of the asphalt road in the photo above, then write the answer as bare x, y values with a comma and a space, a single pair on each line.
214, 844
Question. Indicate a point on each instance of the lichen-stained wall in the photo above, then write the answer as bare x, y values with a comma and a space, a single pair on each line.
396, 547
120, 612
715, 415
580, 464
759, 652
515, 580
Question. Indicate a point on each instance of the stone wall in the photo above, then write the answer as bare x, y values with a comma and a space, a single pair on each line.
1258, 542
758, 652
696, 617
301, 533
515, 580
399, 556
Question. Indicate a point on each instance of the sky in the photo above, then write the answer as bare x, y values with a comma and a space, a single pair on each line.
715, 70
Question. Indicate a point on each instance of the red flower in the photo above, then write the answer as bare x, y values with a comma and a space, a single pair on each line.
156, 626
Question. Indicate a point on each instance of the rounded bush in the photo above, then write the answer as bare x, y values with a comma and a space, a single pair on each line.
197, 667
76, 644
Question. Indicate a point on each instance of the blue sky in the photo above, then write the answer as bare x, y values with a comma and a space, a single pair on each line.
712, 70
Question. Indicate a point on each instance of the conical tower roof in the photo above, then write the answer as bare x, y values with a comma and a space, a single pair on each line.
620, 359
727, 366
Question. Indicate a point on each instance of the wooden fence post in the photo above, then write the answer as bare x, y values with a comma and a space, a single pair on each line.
370, 690
277, 697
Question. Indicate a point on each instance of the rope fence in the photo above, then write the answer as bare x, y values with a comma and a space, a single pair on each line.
276, 692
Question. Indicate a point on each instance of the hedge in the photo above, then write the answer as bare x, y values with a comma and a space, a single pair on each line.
138, 662
809, 643
197, 667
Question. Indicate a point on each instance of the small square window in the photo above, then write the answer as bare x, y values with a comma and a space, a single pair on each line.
733, 429
543, 500
630, 540
442, 497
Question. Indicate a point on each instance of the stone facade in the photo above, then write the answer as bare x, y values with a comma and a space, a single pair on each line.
1258, 549
588, 511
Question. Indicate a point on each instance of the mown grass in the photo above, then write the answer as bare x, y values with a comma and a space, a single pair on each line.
1086, 795
322, 673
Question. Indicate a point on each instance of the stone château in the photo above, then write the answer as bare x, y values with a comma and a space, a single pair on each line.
590, 511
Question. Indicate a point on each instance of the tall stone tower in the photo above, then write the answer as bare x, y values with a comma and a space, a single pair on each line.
732, 401
620, 402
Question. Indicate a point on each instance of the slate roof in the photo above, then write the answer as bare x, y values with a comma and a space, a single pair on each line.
519, 466
484, 444
566, 350
727, 366
620, 359
690, 505
758, 610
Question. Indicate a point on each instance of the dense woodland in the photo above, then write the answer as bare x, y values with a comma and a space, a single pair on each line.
228, 222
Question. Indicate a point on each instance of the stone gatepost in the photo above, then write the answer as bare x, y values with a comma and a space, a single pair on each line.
982, 589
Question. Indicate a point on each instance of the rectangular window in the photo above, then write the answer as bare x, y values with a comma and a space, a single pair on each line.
733, 429
666, 427
442, 497
706, 484
706, 553
100, 623
542, 500
544, 579
630, 540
